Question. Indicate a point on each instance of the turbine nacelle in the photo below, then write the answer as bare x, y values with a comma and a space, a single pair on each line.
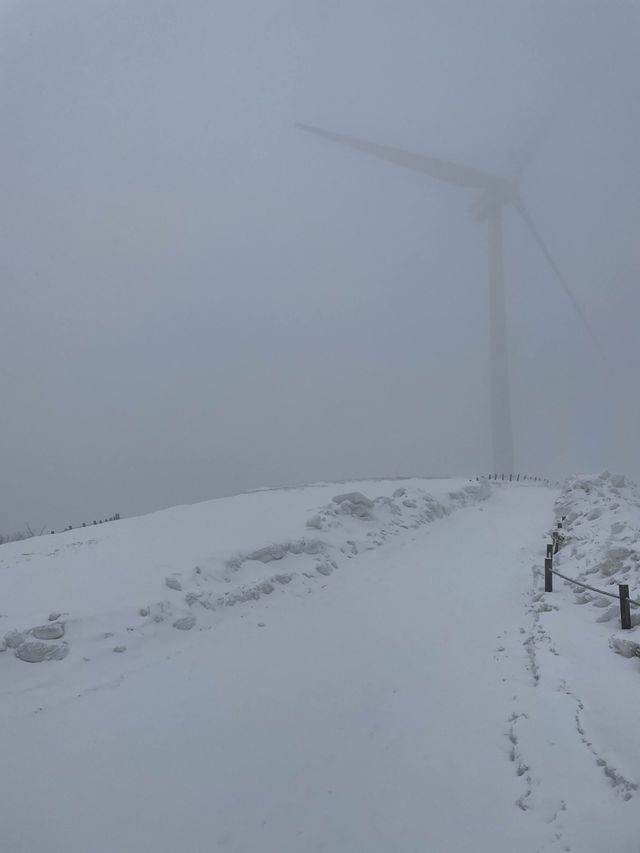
502, 192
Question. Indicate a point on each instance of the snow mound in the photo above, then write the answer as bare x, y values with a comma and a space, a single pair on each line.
600, 518
180, 570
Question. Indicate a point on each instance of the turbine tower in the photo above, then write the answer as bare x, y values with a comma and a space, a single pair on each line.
495, 193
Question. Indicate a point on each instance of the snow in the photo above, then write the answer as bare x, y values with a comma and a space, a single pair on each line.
213, 555
378, 672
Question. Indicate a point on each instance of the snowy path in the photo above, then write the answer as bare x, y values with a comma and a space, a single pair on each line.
392, 710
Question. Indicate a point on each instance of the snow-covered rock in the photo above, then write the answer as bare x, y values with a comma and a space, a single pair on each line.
185, 623
355, 498
626, 648
54, 631
14, 638
34, 651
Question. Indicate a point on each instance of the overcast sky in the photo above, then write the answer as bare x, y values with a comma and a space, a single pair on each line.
198, 299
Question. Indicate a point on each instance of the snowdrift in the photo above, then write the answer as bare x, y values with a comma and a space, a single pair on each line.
88, 592
602, 545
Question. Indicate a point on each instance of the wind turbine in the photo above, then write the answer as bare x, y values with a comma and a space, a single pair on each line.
494, 194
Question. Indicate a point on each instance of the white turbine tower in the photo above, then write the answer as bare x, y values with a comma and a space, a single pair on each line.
495, 193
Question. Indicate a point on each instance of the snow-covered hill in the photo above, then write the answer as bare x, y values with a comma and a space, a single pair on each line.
364, 666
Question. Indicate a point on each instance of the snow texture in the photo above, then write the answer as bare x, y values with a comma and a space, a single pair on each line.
379, 672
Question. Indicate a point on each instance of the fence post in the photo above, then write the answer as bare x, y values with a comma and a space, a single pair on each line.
549, 552
518, 478
625, 611
548, 576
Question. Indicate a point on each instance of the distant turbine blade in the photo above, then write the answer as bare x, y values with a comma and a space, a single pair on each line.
442, 170
526, 216
576, 87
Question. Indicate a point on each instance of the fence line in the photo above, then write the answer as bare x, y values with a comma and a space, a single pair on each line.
518, 478
549, 572
557, 541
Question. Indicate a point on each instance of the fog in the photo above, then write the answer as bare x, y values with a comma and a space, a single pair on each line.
199, 299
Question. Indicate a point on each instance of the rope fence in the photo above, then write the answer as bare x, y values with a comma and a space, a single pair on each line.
593, 588
558, 540
549, 572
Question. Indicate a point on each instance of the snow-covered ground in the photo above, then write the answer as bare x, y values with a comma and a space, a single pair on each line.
133, 582
283, 671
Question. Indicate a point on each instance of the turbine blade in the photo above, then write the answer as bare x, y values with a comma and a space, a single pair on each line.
526, 216
576, 87
443, 170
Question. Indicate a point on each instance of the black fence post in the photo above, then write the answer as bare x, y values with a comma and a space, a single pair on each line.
548, 576
549, 552
625, 611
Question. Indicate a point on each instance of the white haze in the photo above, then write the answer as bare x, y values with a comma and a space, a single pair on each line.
198, 299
